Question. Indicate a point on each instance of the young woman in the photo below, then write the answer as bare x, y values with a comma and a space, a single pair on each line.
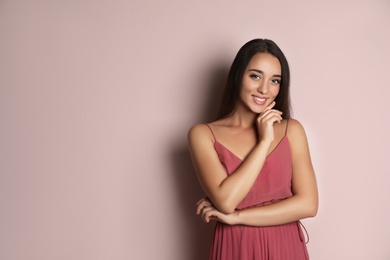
254, 164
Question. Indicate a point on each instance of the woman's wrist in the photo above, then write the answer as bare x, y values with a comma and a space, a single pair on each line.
264, 144
236, 218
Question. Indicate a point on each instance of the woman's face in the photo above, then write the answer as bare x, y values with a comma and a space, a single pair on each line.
260, 82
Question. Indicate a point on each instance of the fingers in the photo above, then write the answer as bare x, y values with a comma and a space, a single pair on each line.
209, 213
206, 209
270, 116
202, 199
266, 120
273, 115
201, 204
269, 109
271, 105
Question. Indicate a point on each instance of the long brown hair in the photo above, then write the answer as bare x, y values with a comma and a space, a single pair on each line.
234, 79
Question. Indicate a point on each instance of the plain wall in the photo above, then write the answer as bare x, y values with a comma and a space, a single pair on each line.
96, 98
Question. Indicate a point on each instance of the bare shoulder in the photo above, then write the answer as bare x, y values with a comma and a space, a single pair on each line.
199, 132
205, 131
295, 129
297, 137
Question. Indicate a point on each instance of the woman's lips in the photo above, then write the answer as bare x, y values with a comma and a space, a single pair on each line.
259, 100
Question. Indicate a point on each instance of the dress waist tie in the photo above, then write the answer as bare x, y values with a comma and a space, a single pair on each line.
301, 235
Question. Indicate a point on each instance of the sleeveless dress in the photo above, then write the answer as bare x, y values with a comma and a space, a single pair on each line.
240, 242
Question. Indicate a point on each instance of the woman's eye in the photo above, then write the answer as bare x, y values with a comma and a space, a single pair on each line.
254, 76
276, 81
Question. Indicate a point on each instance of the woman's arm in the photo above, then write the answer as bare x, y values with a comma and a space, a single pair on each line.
226, 192
303, 203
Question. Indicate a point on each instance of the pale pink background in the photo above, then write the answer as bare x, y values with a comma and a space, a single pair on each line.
96, 98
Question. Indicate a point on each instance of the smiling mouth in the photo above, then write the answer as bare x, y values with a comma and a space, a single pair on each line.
259, 99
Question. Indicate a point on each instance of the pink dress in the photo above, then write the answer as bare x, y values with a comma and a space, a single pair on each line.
240, 242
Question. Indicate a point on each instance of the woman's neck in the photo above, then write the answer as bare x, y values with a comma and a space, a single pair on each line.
243, 118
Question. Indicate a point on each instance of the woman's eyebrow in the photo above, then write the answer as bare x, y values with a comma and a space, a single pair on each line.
255, 70
261, 72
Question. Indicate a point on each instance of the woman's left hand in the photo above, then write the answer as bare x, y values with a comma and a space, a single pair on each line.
202, 203
208, 212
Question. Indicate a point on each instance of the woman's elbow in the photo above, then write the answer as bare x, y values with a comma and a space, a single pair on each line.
311, 209
225, 207
311, 213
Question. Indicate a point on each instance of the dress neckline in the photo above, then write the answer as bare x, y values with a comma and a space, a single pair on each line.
242, 159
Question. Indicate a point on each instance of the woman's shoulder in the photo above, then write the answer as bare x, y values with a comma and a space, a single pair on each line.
296, 132
295, 127
199, 131
197, 128
205, 131
202, 128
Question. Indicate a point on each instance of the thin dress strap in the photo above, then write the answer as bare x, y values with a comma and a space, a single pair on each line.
211, 132
285, 133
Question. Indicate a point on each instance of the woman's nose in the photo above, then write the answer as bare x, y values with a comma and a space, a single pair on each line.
263, 88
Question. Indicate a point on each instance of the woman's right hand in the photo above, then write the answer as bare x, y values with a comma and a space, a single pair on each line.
265, 123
